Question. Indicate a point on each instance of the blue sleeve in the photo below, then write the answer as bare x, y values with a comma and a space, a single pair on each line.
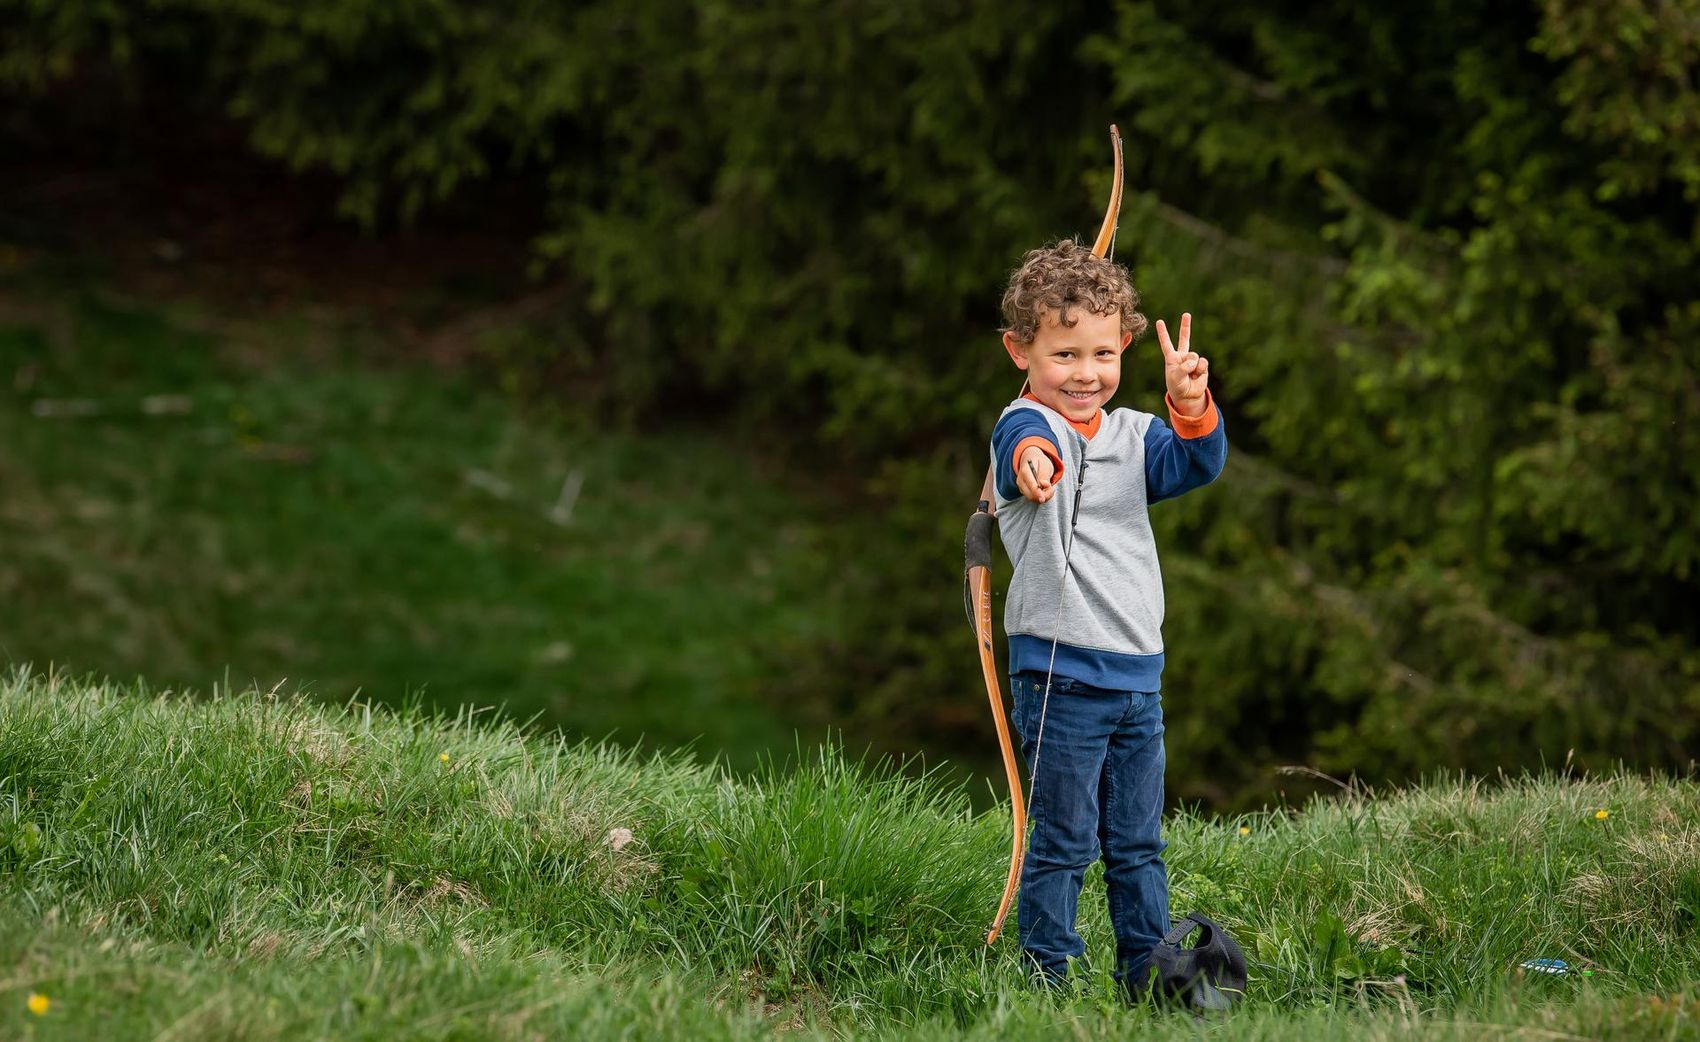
1175, 465
1016, 427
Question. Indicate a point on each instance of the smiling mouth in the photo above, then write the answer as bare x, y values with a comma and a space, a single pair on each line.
1080, 396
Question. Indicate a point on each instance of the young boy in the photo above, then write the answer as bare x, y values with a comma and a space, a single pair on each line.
1085, 607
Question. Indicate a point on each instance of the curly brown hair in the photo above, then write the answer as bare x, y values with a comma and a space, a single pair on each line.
1061, 277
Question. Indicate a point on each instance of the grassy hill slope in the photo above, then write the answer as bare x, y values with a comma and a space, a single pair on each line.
245, 866
186, 494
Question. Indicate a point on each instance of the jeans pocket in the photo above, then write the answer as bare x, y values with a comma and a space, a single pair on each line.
1019, 690
1053, 686
1030, 695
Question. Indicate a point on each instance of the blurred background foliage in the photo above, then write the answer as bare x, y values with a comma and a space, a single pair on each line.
1441, 256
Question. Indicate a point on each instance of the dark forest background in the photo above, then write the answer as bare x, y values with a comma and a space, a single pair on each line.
1441, 257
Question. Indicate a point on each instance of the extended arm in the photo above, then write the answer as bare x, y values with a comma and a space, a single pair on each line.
1016, 433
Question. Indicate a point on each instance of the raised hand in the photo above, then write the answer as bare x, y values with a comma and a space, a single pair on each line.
1186, 373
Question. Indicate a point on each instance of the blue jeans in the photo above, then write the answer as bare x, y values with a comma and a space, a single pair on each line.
1099, 791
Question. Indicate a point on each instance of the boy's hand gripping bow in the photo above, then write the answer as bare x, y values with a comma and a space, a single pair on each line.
977, 547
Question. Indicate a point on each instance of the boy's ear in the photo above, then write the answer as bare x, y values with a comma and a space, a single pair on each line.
1017, 350
1127, 338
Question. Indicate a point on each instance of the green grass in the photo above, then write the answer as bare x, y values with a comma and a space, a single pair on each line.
256, 867
186, 496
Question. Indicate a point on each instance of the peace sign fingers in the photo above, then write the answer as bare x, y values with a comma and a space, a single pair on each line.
1172, 354
1186, 374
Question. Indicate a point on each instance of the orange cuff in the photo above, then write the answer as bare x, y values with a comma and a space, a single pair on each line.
1193, 426
1043, 445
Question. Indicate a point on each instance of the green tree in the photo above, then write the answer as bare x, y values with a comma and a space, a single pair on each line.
1442, 258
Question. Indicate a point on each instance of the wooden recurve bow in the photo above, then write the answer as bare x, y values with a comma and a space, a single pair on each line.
978, 551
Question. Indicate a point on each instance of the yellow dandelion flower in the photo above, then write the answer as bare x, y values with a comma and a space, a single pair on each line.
1602, 814
443, 757
39, 1003
1245, 831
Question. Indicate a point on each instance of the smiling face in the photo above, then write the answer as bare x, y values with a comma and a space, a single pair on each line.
1073, 369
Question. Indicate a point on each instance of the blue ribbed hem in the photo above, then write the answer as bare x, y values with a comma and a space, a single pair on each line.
1105, 669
